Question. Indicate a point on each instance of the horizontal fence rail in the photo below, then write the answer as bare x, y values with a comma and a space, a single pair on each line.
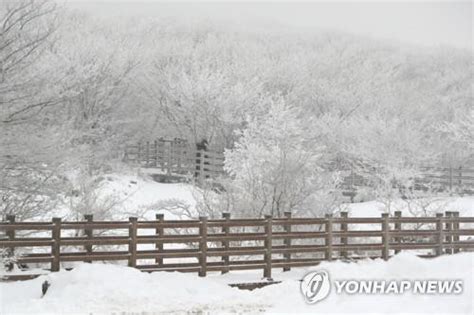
452, 179
221, 245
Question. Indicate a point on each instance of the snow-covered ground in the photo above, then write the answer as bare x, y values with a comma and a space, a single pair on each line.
140, 194
127, 194
464, 205
106, 288
143, 195
97, 289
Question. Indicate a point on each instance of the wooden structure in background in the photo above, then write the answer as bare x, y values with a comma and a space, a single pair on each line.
176, 158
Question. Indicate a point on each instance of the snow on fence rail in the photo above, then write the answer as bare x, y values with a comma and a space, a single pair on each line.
276, 241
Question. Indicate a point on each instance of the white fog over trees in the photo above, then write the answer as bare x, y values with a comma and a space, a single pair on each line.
290, 108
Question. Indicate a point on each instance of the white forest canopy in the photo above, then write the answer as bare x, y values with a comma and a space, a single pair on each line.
75, 89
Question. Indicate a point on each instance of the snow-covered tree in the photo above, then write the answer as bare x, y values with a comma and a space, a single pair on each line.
274, 165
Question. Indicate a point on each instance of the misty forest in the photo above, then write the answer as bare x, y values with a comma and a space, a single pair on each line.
290, 110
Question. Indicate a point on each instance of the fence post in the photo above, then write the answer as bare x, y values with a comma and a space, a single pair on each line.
449, 237
352, 186
450, 178
169, 159
88, 232
179, 155
225, 243
159, 233
132, 245
162, 154
439, 229
155, 153
455, 215
147, 153
398, 229
385, 237
203, 246
11, 237
125, 155
460, 179
139, 153
343, 239
328, 239
201, 167
56, 246
267, 272
287, 240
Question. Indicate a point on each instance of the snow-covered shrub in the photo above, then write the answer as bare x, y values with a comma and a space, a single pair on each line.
29, 191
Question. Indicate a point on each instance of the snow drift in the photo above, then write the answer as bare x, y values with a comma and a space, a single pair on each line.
98, 288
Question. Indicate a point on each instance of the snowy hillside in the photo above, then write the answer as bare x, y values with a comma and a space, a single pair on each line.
141, 195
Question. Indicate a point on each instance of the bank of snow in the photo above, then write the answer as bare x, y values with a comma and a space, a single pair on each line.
119, 196
404, 266
97, 288
140, 195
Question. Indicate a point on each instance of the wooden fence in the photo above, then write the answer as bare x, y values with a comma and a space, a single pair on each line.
176, 158
449, 179
221, 245
459, 179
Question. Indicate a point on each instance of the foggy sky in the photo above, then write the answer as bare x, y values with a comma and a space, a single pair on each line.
426, 23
